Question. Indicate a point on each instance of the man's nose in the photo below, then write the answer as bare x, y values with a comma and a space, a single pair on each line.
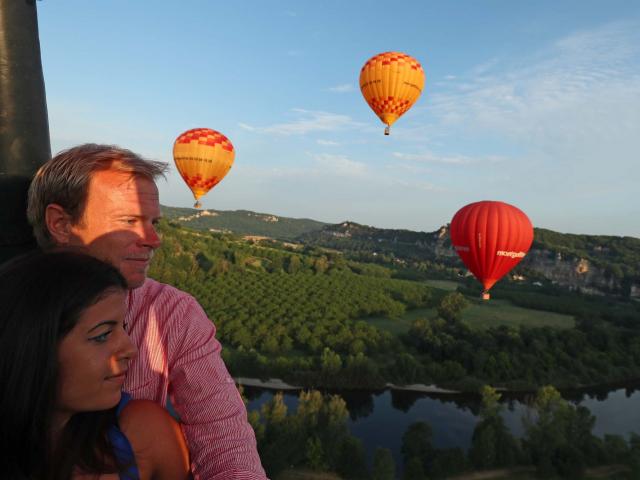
150, 237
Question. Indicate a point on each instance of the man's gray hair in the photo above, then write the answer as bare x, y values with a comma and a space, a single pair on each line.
64, 180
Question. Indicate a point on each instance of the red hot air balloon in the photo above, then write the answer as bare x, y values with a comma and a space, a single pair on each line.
491, 238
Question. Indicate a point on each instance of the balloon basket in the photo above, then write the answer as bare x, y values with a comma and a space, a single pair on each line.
486, 296
386, 130
197, 205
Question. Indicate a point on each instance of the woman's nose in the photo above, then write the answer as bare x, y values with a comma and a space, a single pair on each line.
127, 349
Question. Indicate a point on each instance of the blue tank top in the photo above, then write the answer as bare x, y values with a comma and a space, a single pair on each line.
121, 446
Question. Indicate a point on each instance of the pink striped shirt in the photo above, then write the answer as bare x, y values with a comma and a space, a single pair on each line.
179, 358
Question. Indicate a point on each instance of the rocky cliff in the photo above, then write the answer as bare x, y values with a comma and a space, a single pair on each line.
591, 264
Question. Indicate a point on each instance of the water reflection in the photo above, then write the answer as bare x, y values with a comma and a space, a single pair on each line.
380, 418
359, 402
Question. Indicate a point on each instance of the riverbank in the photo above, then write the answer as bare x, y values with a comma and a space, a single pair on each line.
278, 384
271, 384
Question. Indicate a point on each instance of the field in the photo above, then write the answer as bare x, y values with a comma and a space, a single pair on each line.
448, 285
480, 315
401, 325
492, 313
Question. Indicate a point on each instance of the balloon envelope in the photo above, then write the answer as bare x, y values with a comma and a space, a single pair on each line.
203, 157
491, 238
391, 82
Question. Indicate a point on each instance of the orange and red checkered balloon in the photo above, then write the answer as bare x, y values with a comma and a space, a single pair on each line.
391, 82
203, 157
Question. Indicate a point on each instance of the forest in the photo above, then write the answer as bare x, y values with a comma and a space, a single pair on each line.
305, 314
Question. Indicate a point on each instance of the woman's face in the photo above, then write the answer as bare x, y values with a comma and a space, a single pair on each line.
94, 357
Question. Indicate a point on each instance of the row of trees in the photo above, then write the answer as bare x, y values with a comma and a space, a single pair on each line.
591, 353
558, 442
313, 303
444, 350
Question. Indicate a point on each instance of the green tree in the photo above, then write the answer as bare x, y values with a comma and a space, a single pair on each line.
321, 265
451, 306
560, 440
336, 412
416, 443
447, 462
351, 461
616, 449
309, 406
330, 362
633, 460
293, 264
315, 454
413, 469
492, 445
384, 468
275, 410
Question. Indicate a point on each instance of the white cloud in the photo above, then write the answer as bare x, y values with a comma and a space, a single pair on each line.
327, 143
418, 185
307, 121
322, 165
570, 113
344, 88
430, 157
585, 89
340, 165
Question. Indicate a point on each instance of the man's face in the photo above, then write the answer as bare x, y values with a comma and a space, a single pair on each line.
118, 225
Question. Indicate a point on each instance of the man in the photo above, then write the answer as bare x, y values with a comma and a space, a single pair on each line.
104, 200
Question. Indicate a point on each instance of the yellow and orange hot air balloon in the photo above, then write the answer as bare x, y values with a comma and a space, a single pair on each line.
391, 82
203, 157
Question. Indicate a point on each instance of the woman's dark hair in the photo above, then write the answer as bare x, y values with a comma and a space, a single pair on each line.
42, 296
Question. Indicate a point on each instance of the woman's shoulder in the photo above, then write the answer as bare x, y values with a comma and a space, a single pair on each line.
156, 439
135, 412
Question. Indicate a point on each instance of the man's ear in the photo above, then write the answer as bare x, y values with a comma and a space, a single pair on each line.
58, 222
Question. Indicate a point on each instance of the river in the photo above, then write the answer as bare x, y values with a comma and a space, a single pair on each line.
380, 418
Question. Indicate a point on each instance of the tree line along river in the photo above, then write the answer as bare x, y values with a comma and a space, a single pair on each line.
380, 418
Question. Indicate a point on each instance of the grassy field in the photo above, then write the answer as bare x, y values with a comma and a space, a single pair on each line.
401, 325
492, 313
480, 315
448, 285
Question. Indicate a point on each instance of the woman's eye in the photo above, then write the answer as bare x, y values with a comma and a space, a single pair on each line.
101, 338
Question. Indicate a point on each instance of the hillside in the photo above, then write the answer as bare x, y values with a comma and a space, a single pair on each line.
594, 264
314, 316
242, 222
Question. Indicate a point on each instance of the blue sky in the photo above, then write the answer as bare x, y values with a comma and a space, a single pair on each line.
533, 103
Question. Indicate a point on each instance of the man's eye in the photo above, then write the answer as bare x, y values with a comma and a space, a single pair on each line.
101, 338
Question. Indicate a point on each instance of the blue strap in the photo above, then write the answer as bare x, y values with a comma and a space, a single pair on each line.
122, 447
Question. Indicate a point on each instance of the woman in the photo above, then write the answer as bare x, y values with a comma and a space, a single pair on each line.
64, 354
